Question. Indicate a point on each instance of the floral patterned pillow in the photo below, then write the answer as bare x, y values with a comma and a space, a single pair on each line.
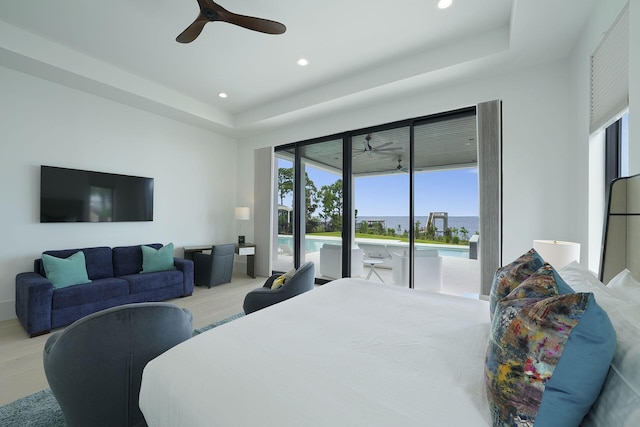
548, 354
508, 277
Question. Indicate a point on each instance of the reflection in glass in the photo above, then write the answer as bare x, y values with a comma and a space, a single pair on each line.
100, 204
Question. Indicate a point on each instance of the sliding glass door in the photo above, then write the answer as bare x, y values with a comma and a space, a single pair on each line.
322, 220
402, 208
445, 189
283, 255
310, 207
380, 170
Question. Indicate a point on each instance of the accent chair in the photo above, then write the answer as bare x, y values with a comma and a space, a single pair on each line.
301, 281
215, 268
94, 367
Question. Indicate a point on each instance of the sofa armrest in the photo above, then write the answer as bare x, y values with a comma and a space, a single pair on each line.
186, 267
34, 295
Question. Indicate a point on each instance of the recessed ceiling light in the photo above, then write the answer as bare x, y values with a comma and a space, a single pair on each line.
443, 4
222, 95
302, 62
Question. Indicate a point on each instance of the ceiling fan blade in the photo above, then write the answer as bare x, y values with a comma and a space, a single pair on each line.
208, 4
193, 30
382, 145
211, 11
252, 23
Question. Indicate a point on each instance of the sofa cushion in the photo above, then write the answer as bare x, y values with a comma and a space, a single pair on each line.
128, 259
101, 289
154, 260
66, 271
149, 281
98, 261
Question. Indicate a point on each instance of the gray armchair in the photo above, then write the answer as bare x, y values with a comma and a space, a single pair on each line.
94, 367
215, 268
302, 281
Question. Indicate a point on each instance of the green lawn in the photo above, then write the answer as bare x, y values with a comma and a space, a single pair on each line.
375, 236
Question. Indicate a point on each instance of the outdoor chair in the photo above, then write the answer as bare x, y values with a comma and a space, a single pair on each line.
374, 255
427, 269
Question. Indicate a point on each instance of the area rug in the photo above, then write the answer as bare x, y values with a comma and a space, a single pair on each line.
41, 409
218, 323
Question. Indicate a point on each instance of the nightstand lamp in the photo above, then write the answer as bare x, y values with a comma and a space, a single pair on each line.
557, 253
242, 214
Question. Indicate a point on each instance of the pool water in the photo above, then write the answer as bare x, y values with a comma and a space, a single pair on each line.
313, 244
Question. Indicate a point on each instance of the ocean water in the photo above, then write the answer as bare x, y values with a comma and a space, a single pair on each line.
471, 223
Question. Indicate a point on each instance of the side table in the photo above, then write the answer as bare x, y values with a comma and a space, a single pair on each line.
248, 249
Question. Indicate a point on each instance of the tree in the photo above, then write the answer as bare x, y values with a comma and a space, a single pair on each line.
311, 200
330, 196
285, 183
465, 233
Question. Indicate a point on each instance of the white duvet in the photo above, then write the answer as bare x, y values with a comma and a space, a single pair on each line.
349, 353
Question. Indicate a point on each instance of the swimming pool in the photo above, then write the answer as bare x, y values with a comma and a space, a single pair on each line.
314, 243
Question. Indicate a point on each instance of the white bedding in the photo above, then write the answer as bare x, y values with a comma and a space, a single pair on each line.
349, 353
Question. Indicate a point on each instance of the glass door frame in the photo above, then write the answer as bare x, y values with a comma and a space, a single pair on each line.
348, 205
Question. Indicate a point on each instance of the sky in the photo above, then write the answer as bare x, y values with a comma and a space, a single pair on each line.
451, 191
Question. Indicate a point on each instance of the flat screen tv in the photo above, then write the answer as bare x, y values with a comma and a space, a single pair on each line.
72, 195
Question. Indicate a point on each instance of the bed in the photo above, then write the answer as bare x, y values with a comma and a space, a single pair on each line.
360, 353
351, 352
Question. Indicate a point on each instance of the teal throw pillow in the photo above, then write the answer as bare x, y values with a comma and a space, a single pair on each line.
548, 354
157, 259
68, 271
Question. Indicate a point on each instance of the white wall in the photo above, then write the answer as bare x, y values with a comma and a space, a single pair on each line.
545, 134
601, 20
45, 123
634, 86
539, 202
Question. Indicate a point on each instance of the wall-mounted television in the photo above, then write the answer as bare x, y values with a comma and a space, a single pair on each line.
72, 195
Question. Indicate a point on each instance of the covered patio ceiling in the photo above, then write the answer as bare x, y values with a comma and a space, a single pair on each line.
441, 143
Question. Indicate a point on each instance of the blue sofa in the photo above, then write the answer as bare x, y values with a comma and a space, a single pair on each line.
115, 280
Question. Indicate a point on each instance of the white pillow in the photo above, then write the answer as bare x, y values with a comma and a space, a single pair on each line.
625, 285
619, 401
582, 280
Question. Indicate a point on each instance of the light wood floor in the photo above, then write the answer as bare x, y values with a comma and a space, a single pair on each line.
21, 370
22, 373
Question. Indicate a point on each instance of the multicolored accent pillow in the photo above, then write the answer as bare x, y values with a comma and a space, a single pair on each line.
511, 275
548, 355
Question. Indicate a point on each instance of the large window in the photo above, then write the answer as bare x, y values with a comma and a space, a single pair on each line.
406, 191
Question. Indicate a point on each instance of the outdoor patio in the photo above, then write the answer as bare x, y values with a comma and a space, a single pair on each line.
461, 276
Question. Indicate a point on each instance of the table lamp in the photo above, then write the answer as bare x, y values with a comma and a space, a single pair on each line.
242, 214
556, 252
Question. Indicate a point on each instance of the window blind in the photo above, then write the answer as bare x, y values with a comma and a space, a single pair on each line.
610, 73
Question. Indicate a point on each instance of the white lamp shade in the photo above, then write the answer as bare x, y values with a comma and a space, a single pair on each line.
556, 252
242, 213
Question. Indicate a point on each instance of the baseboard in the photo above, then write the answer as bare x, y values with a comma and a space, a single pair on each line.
7, 310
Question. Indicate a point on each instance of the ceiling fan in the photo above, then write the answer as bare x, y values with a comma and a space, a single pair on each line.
210, 11
400, 167
380, 149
